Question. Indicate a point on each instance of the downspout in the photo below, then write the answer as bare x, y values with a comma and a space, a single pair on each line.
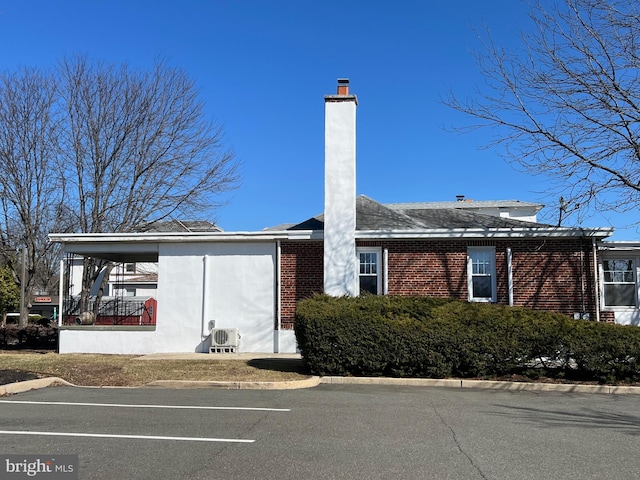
385, 271
205, 298
583, 287
60, 292
276, 337
510, 275
596, 284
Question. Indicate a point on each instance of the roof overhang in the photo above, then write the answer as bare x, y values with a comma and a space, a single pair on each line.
144, 247
463, 233
620, 246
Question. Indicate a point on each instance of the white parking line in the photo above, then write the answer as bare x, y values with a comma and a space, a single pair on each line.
135, 437
122, 405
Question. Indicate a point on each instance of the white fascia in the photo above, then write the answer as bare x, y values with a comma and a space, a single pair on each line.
172, 237
621, 246
464, 233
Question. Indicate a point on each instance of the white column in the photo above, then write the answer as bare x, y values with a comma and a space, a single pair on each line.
61, 292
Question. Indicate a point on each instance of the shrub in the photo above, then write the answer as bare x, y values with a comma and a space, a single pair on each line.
30, 336
428, 337
607, 353
370, 335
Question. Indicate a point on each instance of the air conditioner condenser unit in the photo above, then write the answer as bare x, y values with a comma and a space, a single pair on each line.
224, 340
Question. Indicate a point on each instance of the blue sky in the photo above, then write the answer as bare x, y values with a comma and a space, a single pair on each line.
264, 67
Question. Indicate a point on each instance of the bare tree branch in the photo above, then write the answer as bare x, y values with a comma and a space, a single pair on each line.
31, 188
566, 104
93, 147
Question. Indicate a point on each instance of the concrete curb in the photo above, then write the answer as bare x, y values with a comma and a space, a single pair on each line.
484, 384
311, 382
285, 385
20, 387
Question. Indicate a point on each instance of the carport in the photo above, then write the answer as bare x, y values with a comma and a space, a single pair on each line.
205, 280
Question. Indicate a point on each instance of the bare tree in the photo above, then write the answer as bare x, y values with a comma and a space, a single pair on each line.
92, 147
566, 104
31, 188
138, 149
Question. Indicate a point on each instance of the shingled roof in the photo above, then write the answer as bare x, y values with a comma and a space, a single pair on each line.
467, 205
372, 215
180, 226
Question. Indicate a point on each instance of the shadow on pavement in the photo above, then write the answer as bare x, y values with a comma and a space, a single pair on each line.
293, 365
588, 418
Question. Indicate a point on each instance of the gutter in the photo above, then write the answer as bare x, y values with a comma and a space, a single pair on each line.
466, 233
428, 233
173, 237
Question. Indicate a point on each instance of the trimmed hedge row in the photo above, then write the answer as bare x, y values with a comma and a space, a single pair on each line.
438, 338
31, 336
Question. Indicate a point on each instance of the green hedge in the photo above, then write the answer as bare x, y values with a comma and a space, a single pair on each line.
437, 338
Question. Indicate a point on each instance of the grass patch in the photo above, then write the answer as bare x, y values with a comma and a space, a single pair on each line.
130, 371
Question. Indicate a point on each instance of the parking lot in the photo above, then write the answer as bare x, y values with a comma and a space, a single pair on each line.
331, 431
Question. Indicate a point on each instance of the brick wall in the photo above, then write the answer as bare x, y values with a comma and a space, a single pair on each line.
555, 275
548, 274
301, 275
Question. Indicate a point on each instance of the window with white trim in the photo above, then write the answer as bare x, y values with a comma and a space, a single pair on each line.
619, 279
481, 274
369, 273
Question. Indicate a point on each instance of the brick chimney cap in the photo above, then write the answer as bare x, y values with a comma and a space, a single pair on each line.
343, 93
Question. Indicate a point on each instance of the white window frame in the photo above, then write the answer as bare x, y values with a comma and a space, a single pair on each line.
636, 275
378, 263
488, 253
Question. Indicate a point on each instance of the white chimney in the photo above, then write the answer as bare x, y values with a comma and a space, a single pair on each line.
340, 263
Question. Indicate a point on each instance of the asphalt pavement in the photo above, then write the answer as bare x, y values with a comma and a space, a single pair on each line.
333, 431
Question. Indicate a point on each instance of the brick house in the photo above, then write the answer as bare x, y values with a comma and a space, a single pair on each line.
250, 282
411, 251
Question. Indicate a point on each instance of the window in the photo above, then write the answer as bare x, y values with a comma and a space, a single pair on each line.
130, 267
619, 282
125, 292
369, 273
481, 274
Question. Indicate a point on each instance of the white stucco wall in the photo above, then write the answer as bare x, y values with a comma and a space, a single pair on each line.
240, 293
231, 283
241, 288
340, 275
96, 340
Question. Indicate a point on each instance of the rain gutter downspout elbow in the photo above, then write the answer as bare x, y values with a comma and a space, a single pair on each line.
205, 299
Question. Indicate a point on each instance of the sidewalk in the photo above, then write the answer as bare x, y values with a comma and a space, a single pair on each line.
218, 356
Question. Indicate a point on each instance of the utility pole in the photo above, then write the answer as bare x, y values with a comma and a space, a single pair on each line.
23, 312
